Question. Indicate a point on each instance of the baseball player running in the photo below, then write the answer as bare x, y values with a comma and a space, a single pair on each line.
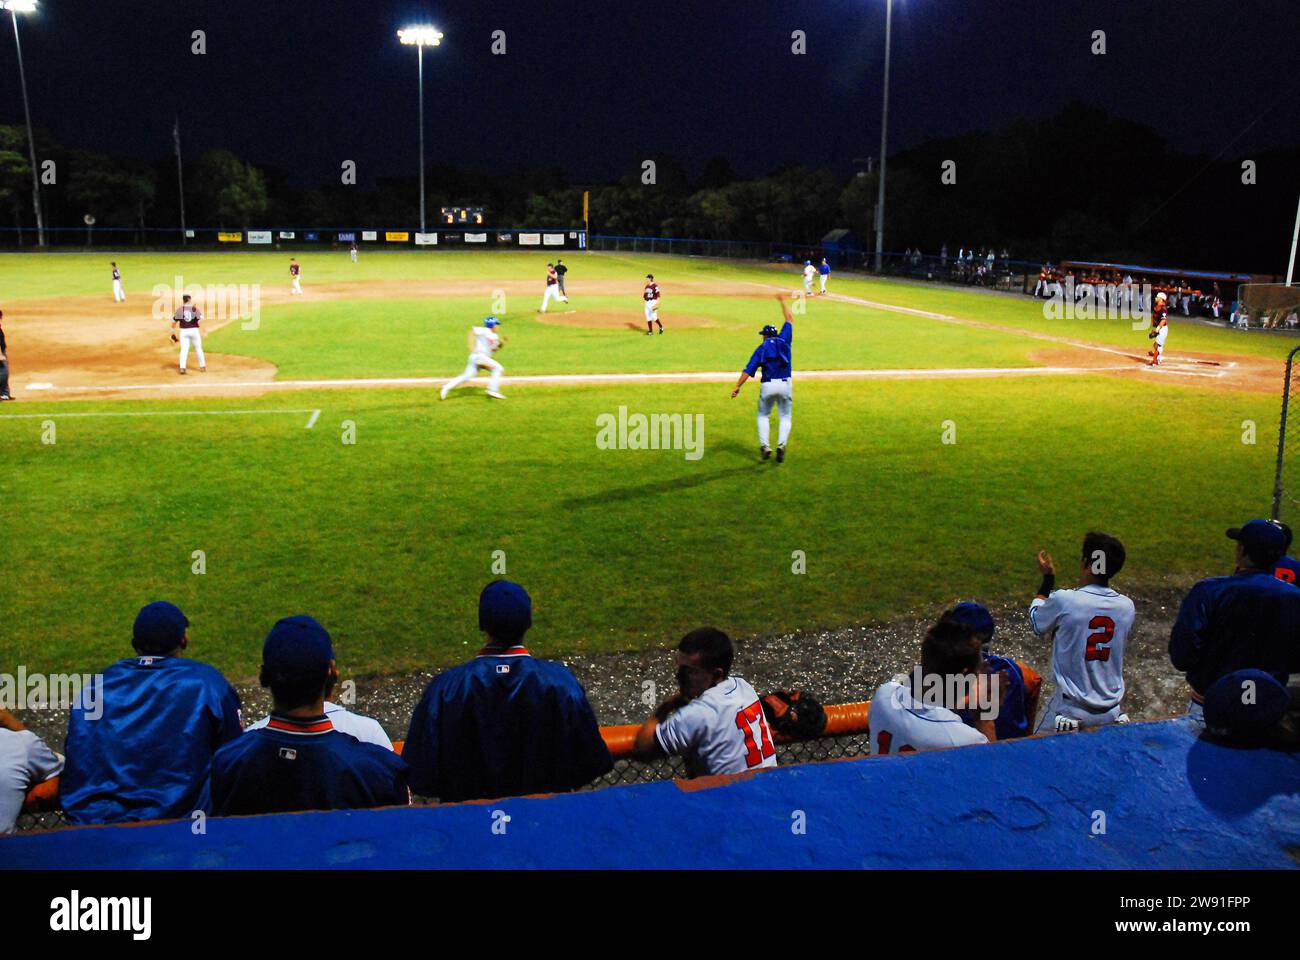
553, 291
715, 720
809, 271
1159, 330
650, 294
773, 355
119, 295
1092, 625
295, 273
483, 342
187, 318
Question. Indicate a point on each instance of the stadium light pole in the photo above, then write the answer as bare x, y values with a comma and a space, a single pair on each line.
420, 37
884, 133
1295, 237
16, 7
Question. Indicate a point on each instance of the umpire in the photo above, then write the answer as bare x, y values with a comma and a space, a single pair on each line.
560, 271
4, 362
1249, 620
773, 355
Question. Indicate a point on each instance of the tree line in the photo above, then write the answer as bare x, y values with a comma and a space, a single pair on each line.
1082, 185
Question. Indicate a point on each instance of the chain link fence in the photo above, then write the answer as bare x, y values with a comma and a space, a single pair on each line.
1286, 483
626, 771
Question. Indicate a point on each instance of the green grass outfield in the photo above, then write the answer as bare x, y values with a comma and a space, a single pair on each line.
389, 539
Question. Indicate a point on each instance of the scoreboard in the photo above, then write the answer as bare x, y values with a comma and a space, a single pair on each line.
463, 216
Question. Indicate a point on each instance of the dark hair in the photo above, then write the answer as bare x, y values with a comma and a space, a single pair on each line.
950, 648
290, 693
713, 646
1109, 547
185, 298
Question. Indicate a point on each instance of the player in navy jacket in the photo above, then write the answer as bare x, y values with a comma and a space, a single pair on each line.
504, 724
298, 761
773, 356
138, 747
1247, 620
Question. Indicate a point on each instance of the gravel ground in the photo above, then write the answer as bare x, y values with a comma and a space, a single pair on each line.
835, 665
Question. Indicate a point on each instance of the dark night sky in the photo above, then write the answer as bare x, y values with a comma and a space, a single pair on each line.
593, 88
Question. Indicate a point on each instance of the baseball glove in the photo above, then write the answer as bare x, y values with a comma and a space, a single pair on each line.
175, 339
1153, 334
794, 714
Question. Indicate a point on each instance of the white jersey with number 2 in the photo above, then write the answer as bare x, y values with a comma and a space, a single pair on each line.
723, 730
1092, 625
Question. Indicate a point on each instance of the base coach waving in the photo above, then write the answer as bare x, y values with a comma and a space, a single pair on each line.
773, 355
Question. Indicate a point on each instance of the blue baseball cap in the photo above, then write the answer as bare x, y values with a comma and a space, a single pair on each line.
159, 628
974, 615
505, 611
491, 322
1264, 541
1245, 702
297, 647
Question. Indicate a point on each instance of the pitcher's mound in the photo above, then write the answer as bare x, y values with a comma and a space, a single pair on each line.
619, 319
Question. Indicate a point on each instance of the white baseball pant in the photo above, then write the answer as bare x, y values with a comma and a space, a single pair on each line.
823, 279
552, 293
1074, 718
297, 285
188, 337
118, 293
475, 361
780, 394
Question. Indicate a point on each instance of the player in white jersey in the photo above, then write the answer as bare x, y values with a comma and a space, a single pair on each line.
365, 729
353, 250
917, 712
1092, 625
809, 271
483, 342
119, 295
716, 721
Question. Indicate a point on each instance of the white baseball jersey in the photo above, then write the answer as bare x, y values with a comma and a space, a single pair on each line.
353, 724
25, 761
723, 730
1092, 625
485, 340
809, 271
900, 723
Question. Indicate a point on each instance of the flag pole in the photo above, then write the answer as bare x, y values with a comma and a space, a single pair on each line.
180, 181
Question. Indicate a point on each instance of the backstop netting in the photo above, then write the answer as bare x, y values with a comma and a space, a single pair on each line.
1268, 306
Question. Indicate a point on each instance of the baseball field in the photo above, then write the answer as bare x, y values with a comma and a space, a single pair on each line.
941, 437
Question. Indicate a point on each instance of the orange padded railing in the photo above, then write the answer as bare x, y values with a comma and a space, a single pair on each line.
842, 719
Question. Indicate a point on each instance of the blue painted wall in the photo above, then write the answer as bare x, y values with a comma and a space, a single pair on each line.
1170, 800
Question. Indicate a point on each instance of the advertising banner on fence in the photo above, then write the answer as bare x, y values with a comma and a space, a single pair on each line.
397, 236
259, 236
505, 237
426, 239
347, 238
287, 234
553, 240
529, 239
369, 234
476, 238
230, 237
